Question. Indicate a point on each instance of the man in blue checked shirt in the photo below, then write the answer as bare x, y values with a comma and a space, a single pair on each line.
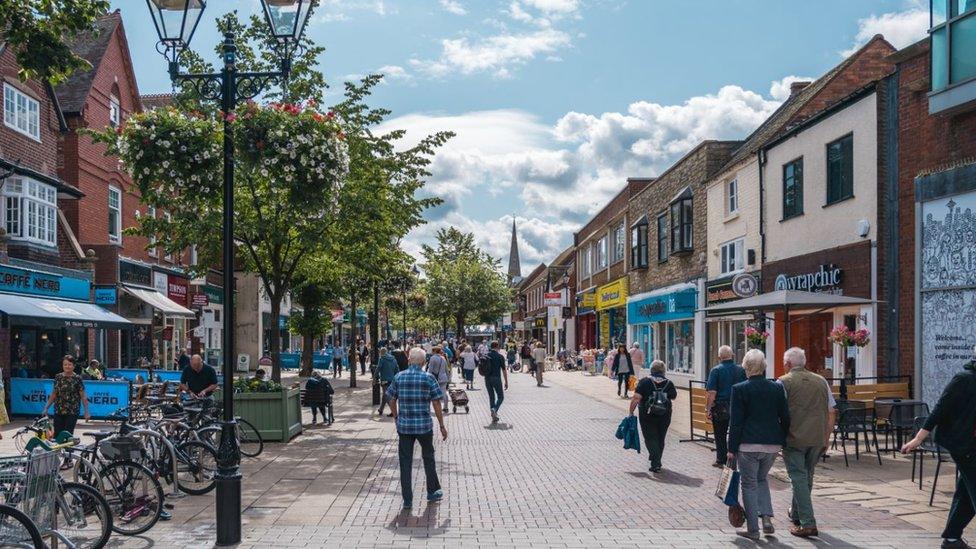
411, 395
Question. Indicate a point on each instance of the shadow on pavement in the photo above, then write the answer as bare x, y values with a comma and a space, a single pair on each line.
499, 426
667, 476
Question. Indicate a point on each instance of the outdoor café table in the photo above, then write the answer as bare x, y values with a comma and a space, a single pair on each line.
885, 408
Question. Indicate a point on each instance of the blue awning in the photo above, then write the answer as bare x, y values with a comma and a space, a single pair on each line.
54, 313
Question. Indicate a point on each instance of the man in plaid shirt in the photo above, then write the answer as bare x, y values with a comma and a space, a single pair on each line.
411, 395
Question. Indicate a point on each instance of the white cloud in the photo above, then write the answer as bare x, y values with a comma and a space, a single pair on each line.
453, 6
780, 89
496, 55
549, 7
341, 10
393, 73
901, 28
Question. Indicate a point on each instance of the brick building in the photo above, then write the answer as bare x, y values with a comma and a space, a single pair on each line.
140, 282
601, 271
669, 224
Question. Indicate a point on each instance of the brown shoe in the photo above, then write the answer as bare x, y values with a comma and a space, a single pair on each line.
804, 532
754, 536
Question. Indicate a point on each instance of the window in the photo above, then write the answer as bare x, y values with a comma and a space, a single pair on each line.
678, 345
840, 169
601, 253
168, 217
114, 215
619, 244
953, 32
21, 112
681, 222
114, 112
30, 210
732, 193
662, 238
638, 244
731, 256
793, 188
586, 262
151, 211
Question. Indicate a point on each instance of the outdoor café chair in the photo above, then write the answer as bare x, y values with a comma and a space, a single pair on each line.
928, 445
901, 419
856, 421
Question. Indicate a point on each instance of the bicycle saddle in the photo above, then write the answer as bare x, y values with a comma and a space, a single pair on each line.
99, 435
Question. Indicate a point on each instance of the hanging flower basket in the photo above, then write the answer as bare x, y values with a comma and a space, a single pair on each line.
844, 336
755, 338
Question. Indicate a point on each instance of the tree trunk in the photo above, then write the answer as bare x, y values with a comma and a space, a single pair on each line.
459, 325
307, 339
275, 340
374, 327
444, 328
353, 351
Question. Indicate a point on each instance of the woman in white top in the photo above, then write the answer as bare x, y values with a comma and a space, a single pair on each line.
469, 362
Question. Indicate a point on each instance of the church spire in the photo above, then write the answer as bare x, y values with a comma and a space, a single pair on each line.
514, 266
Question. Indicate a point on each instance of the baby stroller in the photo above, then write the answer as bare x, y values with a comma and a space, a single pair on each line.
458, 398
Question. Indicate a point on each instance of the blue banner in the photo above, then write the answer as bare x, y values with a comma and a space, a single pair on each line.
28, 396
106, 295
128, 373
661, 308
22, 281
174, 375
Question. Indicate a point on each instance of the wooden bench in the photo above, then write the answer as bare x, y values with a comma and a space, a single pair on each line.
867, 393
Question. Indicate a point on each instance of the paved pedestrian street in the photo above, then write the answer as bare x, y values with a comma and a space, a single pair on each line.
550, 474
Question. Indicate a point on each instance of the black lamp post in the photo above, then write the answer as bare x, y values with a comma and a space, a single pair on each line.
176, 21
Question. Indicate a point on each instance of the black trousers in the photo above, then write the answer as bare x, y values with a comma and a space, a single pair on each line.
362, 364
655, 431
336, 367
496, 394
319, 408
622, 381
426, 441
721, 434
65, 422
963, 502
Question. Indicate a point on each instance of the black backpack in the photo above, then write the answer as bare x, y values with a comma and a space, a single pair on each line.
483, 366
658, 404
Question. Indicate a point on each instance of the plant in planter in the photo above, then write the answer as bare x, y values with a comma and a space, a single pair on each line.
847, 338
755, 337
251, 385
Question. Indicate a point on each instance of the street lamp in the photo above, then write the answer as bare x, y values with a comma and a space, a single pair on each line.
175, 22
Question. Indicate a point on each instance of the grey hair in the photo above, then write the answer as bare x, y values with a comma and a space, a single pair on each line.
754, 362
383, 351
725, 353
417, 356
657, 367
796, 356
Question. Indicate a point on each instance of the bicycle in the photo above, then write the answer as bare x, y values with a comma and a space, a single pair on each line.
18, 530
208, 428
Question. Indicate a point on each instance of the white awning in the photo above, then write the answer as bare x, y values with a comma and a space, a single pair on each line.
158, 301
39, 311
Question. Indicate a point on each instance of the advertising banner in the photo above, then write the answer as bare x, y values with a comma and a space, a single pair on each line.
553, 299
555, 317
612, 295
28, 396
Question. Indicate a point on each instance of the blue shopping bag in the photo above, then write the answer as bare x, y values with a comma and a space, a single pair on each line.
728, 486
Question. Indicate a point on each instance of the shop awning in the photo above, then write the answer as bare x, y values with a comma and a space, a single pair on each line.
42, 312
158, 301
783, 300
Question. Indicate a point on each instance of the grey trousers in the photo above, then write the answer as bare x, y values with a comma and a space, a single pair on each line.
753, 468
800, 464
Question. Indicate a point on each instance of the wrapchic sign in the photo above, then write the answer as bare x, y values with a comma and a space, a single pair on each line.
827, 279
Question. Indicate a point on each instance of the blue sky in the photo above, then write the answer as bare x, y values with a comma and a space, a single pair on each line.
556, 102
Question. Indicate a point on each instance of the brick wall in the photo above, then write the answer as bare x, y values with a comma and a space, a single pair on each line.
694, 170
21, 149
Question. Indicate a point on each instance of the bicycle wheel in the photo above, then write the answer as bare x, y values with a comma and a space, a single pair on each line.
134, 495
17, 529
249, 438
196, 466
83, 516
210, 434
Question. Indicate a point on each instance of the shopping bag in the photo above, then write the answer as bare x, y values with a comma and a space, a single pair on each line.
631, 383
728, 486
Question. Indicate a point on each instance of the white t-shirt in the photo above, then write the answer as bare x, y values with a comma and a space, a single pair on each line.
470, 360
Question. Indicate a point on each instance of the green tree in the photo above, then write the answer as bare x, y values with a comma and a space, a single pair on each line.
315, 317
40, 32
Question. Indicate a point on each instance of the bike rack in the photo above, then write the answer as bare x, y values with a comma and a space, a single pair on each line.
172, 454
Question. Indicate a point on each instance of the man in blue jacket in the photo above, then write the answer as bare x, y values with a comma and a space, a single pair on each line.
386, 370
719, 390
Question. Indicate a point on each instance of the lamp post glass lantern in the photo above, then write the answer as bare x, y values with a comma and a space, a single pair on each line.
175, 22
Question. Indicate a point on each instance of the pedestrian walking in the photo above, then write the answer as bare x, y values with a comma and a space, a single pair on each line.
400, 356
760, 421
623, 368
469, 363
411, 396
954, 417
637, 358
438, 367
337, 356
387, 369
653, 398
318, 397
526, 354
493, 380
719, 390
511, 356
363, 357
67, 397
539, 360
809, 399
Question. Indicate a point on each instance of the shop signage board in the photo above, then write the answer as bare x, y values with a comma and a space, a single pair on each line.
731, 288
106, 295
553, 299
200, 300
177, 289
745, 285
661, 308
22, 281
827, 279
136, 274
215, 294
586, 300
555, 317
507, 322
160, 282
540, 322
612, 295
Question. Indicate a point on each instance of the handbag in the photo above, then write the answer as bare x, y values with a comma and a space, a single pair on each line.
631, 383
728, 485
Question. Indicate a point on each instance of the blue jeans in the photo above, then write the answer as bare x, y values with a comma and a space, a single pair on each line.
753, 469
495, 392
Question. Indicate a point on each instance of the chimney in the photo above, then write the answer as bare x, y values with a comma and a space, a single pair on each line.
796, 87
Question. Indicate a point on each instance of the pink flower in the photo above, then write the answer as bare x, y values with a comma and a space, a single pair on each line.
230, 117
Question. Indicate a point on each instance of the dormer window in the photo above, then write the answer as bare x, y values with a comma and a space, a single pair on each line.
21, 112
681, 222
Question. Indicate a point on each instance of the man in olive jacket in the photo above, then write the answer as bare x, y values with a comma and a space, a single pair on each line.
811, 423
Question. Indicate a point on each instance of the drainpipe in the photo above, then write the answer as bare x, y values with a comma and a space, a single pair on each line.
761, 159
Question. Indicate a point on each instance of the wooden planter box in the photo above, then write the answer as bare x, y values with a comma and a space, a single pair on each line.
277, 416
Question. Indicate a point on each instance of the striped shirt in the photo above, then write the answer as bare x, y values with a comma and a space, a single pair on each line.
414, 389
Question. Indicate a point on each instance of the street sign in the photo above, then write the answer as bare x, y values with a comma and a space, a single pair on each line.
200, 300
745, 285
553, 299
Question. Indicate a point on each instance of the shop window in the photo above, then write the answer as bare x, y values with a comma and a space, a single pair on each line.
679, 345
619, 244
601, 253
114, 215
681, 222
793, 188
732, 197
662, 238
21, 112
731, 256
30, 210
638, 244
840, 169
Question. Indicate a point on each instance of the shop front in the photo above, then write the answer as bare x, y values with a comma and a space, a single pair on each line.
846, 271
611, 308
539, 327
586, 319
47, 315
151, 303
728, 330
209, 300
662, 322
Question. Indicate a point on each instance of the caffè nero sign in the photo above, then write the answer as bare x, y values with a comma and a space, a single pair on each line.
827, 279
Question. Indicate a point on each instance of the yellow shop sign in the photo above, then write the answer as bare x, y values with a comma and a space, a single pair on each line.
612, 295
